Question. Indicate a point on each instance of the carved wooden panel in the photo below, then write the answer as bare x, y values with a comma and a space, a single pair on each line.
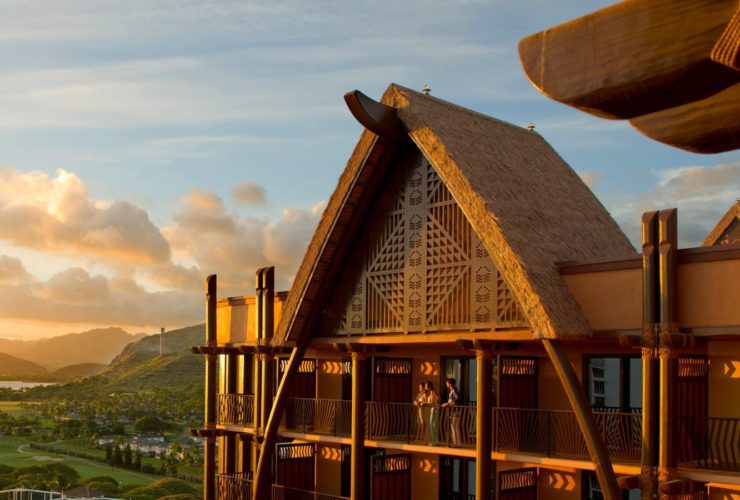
418, 266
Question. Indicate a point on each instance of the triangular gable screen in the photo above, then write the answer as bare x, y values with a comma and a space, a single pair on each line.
418, 266
731, 235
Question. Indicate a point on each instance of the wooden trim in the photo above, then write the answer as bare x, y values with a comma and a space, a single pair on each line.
685, 256
427, 338
597, 265
708, 254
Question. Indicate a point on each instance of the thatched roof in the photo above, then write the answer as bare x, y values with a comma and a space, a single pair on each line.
722, 225
526, 204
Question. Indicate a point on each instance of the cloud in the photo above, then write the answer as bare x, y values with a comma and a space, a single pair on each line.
233, 246
77, 297
55, 214
250, 194
701, 194
591, 179
12, 270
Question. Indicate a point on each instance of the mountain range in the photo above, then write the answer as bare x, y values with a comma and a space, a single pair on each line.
98, 346
141, 366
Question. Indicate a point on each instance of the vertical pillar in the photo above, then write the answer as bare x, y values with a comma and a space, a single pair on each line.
649, 342
668, 254
483, 424
257, 419
244, 387
228, 453
357, 456
209, 419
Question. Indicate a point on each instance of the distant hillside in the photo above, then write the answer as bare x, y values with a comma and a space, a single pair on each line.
140, 366
79, 370
93, 346
15, 368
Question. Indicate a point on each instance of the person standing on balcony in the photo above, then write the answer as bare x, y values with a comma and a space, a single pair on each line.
453, 400
421, 398
432, 402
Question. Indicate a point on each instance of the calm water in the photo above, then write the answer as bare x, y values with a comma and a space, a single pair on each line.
17, 385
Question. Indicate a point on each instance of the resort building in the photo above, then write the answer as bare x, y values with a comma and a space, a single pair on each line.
461, 254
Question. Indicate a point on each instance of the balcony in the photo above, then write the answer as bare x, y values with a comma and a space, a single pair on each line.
706, 443
239, 487
236, 409
322, 416
280, 492
234, 486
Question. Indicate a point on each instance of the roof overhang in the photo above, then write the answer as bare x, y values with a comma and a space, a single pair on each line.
659, 63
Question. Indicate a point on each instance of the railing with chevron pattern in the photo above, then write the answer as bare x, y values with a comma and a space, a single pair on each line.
236, 409
322, 416
710, 443
234, 486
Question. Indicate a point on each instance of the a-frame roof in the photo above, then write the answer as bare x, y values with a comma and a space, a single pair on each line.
722, 225
527, 206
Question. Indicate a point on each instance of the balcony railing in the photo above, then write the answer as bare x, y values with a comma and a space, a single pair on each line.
710, 443
236, 409
234, 486
280, 492
452, 426
323, 416
556, 433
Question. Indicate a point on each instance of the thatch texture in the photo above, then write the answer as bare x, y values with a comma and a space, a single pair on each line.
525, 203
722, 225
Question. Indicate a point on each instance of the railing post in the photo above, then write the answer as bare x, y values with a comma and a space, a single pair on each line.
358, 427
209, 450
482, 429
548, 433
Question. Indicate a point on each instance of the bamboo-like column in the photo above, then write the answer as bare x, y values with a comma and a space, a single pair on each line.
585, 418
483, 423
244, 443
357, 457
209, 415
262, 471
649, 342
229, 441
668, 254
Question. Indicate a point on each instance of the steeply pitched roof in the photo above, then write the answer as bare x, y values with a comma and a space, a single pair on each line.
722, 225
526, 204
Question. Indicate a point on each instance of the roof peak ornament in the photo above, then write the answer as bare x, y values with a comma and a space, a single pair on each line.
426, 90
530, 127
377, 117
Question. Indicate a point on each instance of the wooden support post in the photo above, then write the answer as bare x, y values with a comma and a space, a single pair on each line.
483, 424
267, 362
585, 418
209, 419
262, 471
668, 258
649, 342
229, 451
357, 457
244, 386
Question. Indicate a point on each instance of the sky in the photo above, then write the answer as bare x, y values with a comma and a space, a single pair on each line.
146, 144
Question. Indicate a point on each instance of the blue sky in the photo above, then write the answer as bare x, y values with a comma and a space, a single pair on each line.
156, 110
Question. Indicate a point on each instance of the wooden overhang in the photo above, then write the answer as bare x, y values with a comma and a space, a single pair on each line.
671, 68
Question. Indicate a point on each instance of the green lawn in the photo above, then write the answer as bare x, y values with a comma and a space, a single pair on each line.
10, 455
11, 408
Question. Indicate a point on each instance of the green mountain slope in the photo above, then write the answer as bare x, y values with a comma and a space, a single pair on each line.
140, 366
78, 370
15, 368
100, 345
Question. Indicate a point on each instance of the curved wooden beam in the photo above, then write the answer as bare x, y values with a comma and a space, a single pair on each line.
632, 58
710, 125
585, 418
378, 118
